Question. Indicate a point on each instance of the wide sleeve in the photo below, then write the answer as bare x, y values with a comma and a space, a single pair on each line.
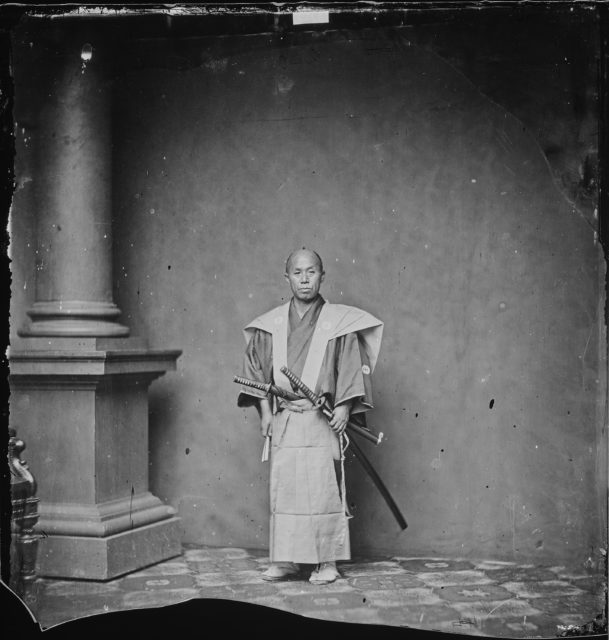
352, 374
257, 366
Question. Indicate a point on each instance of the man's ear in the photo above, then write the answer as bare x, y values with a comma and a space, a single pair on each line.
323, 275
287, 278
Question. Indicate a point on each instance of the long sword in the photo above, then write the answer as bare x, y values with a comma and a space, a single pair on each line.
272, 389
267, 387
324, 405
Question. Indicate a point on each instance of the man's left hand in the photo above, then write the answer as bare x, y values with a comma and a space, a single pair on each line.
340, 417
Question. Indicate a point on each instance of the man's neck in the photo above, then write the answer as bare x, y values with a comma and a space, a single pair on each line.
302, 306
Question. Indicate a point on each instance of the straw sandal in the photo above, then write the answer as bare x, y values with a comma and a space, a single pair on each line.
280, 571
324, 573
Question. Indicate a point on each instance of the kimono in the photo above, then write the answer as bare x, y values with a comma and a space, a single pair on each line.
333, 349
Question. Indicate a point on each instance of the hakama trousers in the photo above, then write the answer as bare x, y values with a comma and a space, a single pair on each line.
308, 524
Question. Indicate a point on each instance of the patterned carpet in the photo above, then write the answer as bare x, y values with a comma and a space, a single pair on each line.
484, 598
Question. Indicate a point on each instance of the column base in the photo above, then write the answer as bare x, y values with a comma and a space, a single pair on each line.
93, 558
74, 318
102, 519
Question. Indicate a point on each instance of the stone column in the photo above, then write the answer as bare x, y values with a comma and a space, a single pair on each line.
74, 172
79, 383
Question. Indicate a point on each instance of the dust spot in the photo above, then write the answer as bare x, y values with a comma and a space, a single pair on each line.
216, 66
283, 84
22, 182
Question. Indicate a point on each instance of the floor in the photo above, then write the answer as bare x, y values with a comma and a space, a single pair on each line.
480, 598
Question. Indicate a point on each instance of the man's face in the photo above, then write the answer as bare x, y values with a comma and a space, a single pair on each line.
305, 276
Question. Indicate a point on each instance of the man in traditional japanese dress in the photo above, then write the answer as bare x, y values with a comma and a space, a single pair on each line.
333, 348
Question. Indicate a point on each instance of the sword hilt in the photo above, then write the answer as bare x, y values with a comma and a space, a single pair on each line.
301, 386
252, 383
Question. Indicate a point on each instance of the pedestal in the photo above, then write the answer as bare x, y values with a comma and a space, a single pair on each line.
82, 406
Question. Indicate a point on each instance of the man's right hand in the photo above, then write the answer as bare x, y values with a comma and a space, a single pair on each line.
266, 417
265, 425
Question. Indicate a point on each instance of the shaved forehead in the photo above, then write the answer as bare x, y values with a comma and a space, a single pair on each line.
303, 252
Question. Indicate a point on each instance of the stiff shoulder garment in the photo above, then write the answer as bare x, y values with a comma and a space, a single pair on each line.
333, 349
